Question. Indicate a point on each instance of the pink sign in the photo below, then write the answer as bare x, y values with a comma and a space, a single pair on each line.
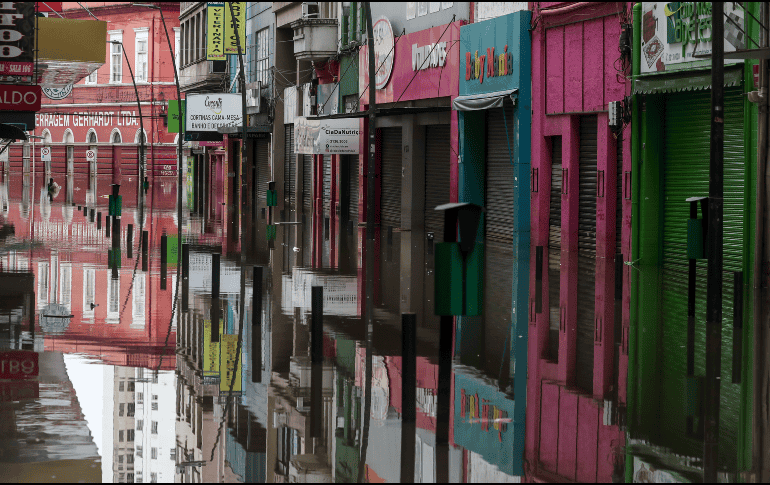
425, 65
211, 143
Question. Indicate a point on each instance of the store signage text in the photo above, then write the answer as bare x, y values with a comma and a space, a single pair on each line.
328, 137
384, 47
17, 23
477, 410
489, 65
18, 364
88, 119
20, 98
207, 112
434, 53
685, 25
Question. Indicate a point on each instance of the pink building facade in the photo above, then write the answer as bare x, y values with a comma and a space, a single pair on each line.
580, 220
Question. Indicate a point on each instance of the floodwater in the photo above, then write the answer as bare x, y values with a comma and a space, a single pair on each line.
225, 375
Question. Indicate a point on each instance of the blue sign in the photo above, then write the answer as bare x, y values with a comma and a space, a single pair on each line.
493, 54
483, 423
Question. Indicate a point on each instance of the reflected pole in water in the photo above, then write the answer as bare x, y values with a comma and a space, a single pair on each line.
129, 241
316, 363
408, 395
256, 326
163, 260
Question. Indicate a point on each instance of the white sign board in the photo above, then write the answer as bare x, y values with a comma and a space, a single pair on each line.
207, 112
327, 137
384, 43
90, 156
671, 37
45, 154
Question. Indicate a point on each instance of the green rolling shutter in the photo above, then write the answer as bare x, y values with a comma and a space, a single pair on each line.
687, 138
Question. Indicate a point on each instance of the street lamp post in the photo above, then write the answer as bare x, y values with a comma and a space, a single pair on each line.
142, 167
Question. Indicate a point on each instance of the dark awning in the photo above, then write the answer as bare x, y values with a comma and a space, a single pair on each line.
684, 81
476, 102
11, 132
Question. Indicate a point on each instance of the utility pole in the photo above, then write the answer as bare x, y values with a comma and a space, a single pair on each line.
715, 243
370, 233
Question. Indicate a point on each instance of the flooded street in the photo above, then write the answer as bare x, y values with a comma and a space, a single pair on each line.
127, 388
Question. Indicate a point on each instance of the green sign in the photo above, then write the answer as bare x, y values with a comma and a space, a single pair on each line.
172, 250
173, 116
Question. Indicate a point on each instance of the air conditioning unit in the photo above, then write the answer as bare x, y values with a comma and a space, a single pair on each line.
309, 10
253, 99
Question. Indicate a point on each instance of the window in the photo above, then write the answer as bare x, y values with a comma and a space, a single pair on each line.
129, 478
154, 406
116, 56
141, 53
131, 410
130, 458
122, 386
173, 453
176, 47
155, 380
139, 424
154, 453
139, 451
131, 386
263, 54
120, 458
120, 436
130, 435
92, 78
122, 407
153, 477
140, 397
154, 429
154, 397
116, 137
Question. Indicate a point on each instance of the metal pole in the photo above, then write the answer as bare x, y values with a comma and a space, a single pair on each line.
715, 243
408, 395
256, 326
316, 361
243, 96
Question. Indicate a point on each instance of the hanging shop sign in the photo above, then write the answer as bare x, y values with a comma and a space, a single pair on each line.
328, 137
673, 33
208, 112
215, 47
20, 98
383, 51
483, 420
233, 22
491, 57
17, 36
174, 118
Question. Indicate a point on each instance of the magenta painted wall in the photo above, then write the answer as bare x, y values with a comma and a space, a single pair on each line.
575, 62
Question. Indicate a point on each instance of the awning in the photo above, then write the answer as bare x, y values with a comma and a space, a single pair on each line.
11, 132
684, 81
476, 102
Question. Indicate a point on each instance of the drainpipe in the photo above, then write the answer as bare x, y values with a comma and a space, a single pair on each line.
760, 259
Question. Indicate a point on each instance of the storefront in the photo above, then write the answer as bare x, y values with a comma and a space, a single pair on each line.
417, 142
494, 125
672, 106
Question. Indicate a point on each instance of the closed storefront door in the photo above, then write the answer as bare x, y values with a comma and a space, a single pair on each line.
687, 138
554, 249
586, 252
390, 204
498, 267
262, 157
307, 181
436, 193
289, 168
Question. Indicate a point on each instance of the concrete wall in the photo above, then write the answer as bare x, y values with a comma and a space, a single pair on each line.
396, 13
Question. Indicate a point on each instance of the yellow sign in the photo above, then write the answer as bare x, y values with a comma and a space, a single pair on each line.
238, 20
215, 48
229, 355
210, 350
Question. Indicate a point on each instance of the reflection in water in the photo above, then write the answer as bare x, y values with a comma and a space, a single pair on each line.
227, 389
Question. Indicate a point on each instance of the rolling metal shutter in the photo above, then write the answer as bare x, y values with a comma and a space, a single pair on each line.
390, 205
327, 161
687, 145
554, 248
307, 181
499, 188
289, 168
586, 253
262, 148
353, 188
498, 266
436, 178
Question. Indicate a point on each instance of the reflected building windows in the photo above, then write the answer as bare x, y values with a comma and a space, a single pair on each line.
113, 304
65, 288
89, 292
137, 313
42, 284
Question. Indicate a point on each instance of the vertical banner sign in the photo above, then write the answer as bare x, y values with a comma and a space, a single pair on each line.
173, 121
210, 350
17, 36
215, 48
228, 368
238, 21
